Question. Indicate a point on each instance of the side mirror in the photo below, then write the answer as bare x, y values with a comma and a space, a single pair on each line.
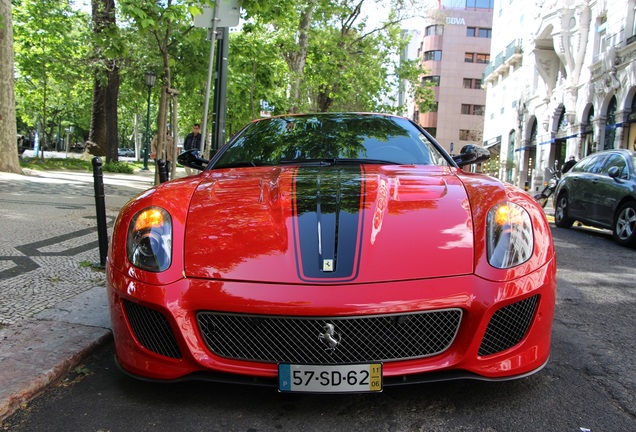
614, 172
193, 159
471, 154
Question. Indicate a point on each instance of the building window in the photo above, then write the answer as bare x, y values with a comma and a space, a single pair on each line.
480, 4
601, 35
472, 83
434, 30
478, 32
485, 33
433, 55
482, 58
432, 80
634, 20
431, 130
473, 109
469, 135
476, 58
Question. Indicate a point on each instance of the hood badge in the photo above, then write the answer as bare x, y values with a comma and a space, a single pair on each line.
327, 265
330, 337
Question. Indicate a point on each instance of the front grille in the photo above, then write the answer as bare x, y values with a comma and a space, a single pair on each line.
152, 330
508, 326
359, 339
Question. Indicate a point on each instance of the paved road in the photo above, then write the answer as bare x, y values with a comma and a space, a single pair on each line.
589, 383
52, 301
49, 237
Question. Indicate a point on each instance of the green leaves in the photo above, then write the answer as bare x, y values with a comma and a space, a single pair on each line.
348, 65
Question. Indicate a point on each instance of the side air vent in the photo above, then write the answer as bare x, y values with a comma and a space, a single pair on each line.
508, 326
152, 330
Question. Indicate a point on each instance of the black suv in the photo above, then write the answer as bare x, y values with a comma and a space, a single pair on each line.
600, 191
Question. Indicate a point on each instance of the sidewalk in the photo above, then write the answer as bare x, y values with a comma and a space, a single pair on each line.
53, 305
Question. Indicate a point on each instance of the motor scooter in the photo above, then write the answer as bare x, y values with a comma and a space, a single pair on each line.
549, 188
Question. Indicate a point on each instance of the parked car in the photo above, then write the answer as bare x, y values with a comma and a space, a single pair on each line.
332, 253
600, 191
126, 152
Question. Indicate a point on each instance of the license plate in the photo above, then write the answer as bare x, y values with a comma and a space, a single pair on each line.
330, 379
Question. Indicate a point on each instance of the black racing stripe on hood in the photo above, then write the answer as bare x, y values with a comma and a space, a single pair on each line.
328, 212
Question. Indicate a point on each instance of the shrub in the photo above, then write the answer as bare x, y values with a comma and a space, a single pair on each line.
118, 167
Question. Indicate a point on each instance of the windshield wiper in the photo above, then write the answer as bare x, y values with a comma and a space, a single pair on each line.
368, 161
239, 164
311, 162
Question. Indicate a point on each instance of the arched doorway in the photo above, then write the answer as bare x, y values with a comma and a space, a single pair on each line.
531, 153
510, 162
631, 120
589, 146
610, 125
559, 147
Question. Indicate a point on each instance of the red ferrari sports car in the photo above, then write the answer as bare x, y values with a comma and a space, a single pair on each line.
332, 253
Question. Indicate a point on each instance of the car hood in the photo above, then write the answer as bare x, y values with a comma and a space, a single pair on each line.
333, 224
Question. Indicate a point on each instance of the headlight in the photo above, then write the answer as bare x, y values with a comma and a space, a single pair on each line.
510, 238
149, 242
552, 183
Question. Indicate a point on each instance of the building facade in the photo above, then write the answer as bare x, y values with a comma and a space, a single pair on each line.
561, 83
454, 51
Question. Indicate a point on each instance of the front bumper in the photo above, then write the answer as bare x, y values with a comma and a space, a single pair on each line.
174, 310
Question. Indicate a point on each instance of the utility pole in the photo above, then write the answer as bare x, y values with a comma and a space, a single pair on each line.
224, 14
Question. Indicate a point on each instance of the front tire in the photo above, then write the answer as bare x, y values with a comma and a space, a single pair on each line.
561, 218
624, 226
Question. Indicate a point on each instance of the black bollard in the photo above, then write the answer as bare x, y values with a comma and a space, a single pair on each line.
100, 208
161, 166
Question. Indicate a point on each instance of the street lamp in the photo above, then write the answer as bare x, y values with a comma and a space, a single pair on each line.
150, 81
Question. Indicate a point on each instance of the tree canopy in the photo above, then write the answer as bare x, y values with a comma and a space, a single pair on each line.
297, 55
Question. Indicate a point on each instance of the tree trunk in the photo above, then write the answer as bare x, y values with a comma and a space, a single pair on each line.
103, 132
324, 98
97, 134
8, 130
112, 127
296, 60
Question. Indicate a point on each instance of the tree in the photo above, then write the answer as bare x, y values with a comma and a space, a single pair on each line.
167, 23
49, 51
298, 55
103, 136
336, 61
357, 66
258, 72
8, 147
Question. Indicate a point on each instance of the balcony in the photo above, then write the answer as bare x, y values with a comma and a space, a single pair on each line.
511, 56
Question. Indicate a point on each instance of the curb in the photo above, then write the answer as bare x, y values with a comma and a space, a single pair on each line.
54, 349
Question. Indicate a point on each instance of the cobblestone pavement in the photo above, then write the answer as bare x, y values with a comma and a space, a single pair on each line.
53, 306
49, 238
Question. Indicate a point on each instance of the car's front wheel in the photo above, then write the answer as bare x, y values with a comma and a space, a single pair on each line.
561, 218
624, 229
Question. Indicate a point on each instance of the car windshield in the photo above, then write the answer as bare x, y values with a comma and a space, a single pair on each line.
331, 139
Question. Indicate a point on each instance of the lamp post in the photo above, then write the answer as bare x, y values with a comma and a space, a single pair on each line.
150, 81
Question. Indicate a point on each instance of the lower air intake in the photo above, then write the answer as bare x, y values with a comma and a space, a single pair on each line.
508, 326
152, 330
